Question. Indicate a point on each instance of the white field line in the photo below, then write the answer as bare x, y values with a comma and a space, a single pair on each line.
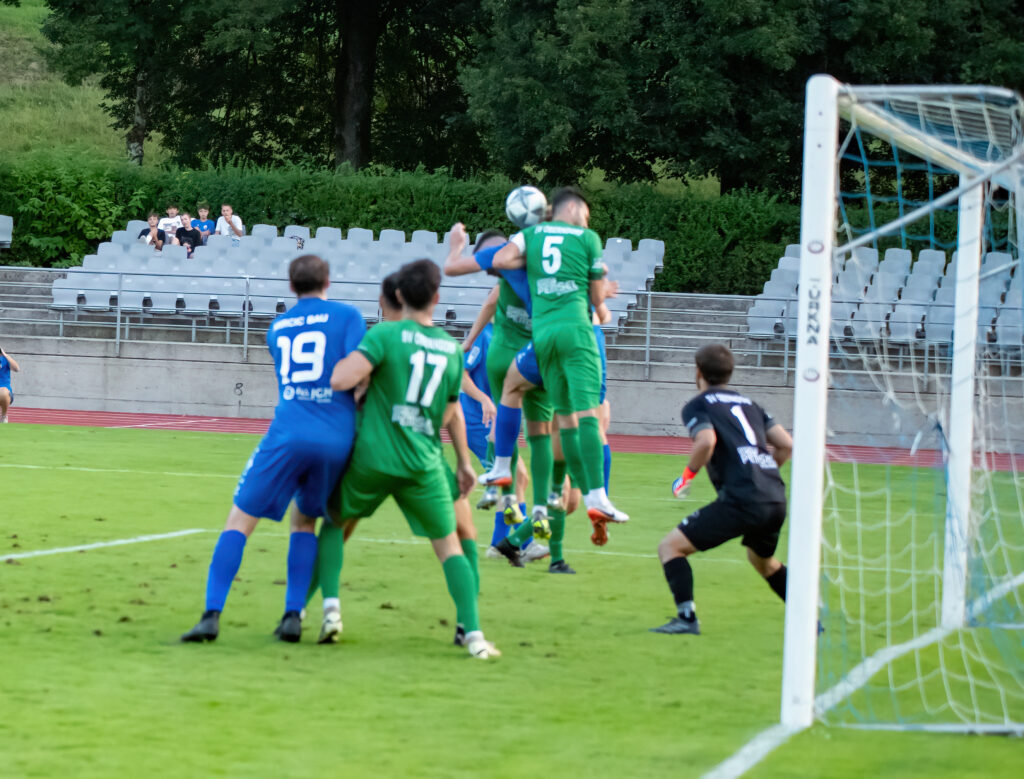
755, 750
186, 474
102, 544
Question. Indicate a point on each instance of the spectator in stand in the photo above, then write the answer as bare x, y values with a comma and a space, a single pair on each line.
230, 223
204, 224
189, 237
153, 235
170, 223
7, 364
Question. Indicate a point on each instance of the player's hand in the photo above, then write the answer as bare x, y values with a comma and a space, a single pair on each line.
458, 239
466, 477
681, 486
611, 289
489, 411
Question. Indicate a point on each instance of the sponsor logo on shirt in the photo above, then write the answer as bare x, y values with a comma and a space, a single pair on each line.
426, 342
519, 316
556, 287
315, 394
751, 455
410, 417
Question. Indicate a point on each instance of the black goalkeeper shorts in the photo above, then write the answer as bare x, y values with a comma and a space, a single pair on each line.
757, 524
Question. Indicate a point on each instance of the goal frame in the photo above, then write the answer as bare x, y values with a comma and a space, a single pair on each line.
827, 101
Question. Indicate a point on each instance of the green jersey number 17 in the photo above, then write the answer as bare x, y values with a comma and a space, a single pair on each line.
419, 360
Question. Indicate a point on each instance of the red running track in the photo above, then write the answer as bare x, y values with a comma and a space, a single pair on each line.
619, 443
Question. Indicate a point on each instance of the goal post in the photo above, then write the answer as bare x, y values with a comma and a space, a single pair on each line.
913, 567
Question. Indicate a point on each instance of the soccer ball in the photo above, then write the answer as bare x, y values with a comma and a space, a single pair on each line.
525, 206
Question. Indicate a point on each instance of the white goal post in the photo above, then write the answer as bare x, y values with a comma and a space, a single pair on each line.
980, 148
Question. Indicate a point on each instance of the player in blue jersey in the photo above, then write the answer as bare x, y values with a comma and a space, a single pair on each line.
7, 364
479, 412
304, 451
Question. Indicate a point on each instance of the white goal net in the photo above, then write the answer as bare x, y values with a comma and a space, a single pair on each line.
907, 497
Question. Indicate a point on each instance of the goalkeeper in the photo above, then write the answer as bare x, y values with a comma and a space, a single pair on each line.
731, 434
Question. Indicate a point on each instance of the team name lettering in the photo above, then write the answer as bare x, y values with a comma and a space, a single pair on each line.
292, 321
411, 417
426, 342
519, 316
754, 456
549, 229
724, 397
315, 319
555, 287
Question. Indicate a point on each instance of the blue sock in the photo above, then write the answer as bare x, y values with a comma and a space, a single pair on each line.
506, 430
301, 561
500, 528
607, 467
227, 557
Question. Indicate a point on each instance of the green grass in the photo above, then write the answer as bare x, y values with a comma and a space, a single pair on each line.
95, 683
39, 112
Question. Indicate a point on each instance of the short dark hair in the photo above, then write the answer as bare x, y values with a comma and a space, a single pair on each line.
172, 205
715, 363
485, 236
152, 214
204, 206
566, 195
418, 281
389, 290
308, 273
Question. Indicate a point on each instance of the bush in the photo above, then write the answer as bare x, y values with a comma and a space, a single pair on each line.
63, 207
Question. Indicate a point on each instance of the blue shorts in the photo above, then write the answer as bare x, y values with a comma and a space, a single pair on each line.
280, 471
476, 431
599, 335
526, 362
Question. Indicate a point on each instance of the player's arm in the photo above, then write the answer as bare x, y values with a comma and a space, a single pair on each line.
486, 315
455, 424
510, 256
456, 263
13, 363
781, 441
350, 371
704, 441
481, 397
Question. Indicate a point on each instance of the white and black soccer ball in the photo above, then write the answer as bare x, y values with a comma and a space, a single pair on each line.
525, 206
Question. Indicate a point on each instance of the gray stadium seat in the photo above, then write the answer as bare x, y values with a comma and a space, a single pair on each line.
136, 226
793, 250
787, 275
990, 291
779, 290
930, 259
109, 249
123, 237
264, 231
328, 234
994, 260
896, 261
359, 235
284, 245
6, 230
227, 298
65, 295
132, 295
174, 253
316, 246
219, 243
789, 263
868, 321
389, 237
139, 249
905, 323
919, 289
296, 231
426, 238
657, 248
883, 288
850, 285
98, 264
762, 318
866, 256
842, 313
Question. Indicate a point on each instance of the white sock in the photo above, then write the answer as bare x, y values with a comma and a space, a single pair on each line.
332, 604
596, 495
502, 464
474, 635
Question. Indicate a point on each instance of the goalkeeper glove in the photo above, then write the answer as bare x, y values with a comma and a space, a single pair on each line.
681, 486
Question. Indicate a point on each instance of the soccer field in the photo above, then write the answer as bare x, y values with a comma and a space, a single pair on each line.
95, 683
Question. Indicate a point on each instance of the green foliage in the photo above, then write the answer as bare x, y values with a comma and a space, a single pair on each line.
63, 207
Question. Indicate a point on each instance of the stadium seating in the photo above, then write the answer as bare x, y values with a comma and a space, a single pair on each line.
6, 231
212, 283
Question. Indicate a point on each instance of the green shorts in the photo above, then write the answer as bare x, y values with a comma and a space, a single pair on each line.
425, 500
453, 482
536, 404
571, 367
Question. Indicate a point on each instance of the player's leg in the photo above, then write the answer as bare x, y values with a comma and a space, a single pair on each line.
427, 506
704, 529
761, 543
604, 419
507, 423
302, 559
5, 403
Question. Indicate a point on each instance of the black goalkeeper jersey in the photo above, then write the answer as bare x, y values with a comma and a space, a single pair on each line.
741, 468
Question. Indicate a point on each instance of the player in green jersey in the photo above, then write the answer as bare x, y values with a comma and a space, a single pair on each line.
566, 276
415, 371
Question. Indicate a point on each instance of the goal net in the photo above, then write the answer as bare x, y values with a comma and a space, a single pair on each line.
906, 553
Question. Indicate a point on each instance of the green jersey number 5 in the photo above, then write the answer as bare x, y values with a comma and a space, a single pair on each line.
419, 361
551, 255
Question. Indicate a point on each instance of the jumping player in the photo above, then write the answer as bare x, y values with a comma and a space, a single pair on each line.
415, 371
304, 451
7, 364
731, 434
566, 275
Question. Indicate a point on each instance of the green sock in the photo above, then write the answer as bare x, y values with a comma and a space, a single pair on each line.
570, 437
521, 534
329, 559
470, 551
459, 577
557, 521
541, 461
592, 451
558, 476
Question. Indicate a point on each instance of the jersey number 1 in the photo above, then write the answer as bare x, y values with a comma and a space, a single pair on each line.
293, 352
419, 360
748, 431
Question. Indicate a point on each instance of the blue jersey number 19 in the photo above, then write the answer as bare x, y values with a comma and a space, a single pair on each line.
294, 354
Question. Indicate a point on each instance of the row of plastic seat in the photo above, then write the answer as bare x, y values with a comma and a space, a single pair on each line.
6, 231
